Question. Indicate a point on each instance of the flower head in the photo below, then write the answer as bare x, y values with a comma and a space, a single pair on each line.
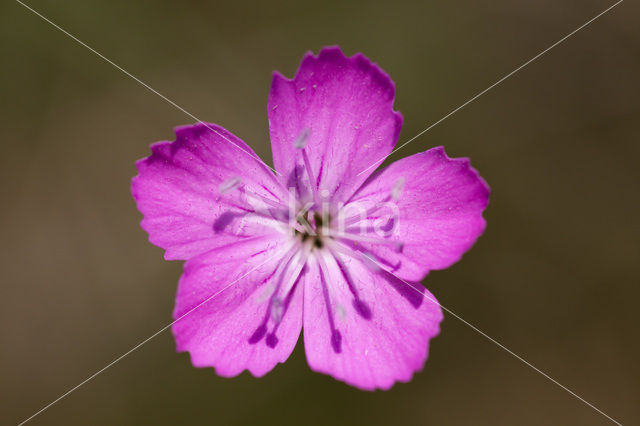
325, 245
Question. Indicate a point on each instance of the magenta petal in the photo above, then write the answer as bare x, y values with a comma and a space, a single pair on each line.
345, 105
373, 340
440, 211
177, 189
232, 331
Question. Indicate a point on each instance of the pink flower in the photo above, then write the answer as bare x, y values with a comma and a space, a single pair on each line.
325, 245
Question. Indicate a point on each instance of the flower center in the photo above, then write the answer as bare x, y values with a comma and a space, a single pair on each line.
315, 234
321, 229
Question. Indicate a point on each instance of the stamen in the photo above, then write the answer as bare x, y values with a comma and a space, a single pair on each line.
367, 214
276, 309
263, 221
336, 341
302, 220
301, 143
235, 183
289, 250
272, 339
394, 195
230, 185
341, 312
397, 245
260, 332
336, 337
368, 259
312, 178
299, 260
248, 215
258, 197
386, 228
363, 257
359, 305
396, 191
238, 219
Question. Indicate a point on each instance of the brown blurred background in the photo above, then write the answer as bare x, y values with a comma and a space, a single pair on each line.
555, 277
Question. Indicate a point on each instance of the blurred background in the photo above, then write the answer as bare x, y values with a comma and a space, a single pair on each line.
555, 277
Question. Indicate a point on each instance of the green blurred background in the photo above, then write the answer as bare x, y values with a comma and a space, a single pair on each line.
555, 277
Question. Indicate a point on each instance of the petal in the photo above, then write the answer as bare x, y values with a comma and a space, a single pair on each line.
222, 300
383, 337
346, 105
177, 189
439, 212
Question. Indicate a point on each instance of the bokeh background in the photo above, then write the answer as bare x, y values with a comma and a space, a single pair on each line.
555, 277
